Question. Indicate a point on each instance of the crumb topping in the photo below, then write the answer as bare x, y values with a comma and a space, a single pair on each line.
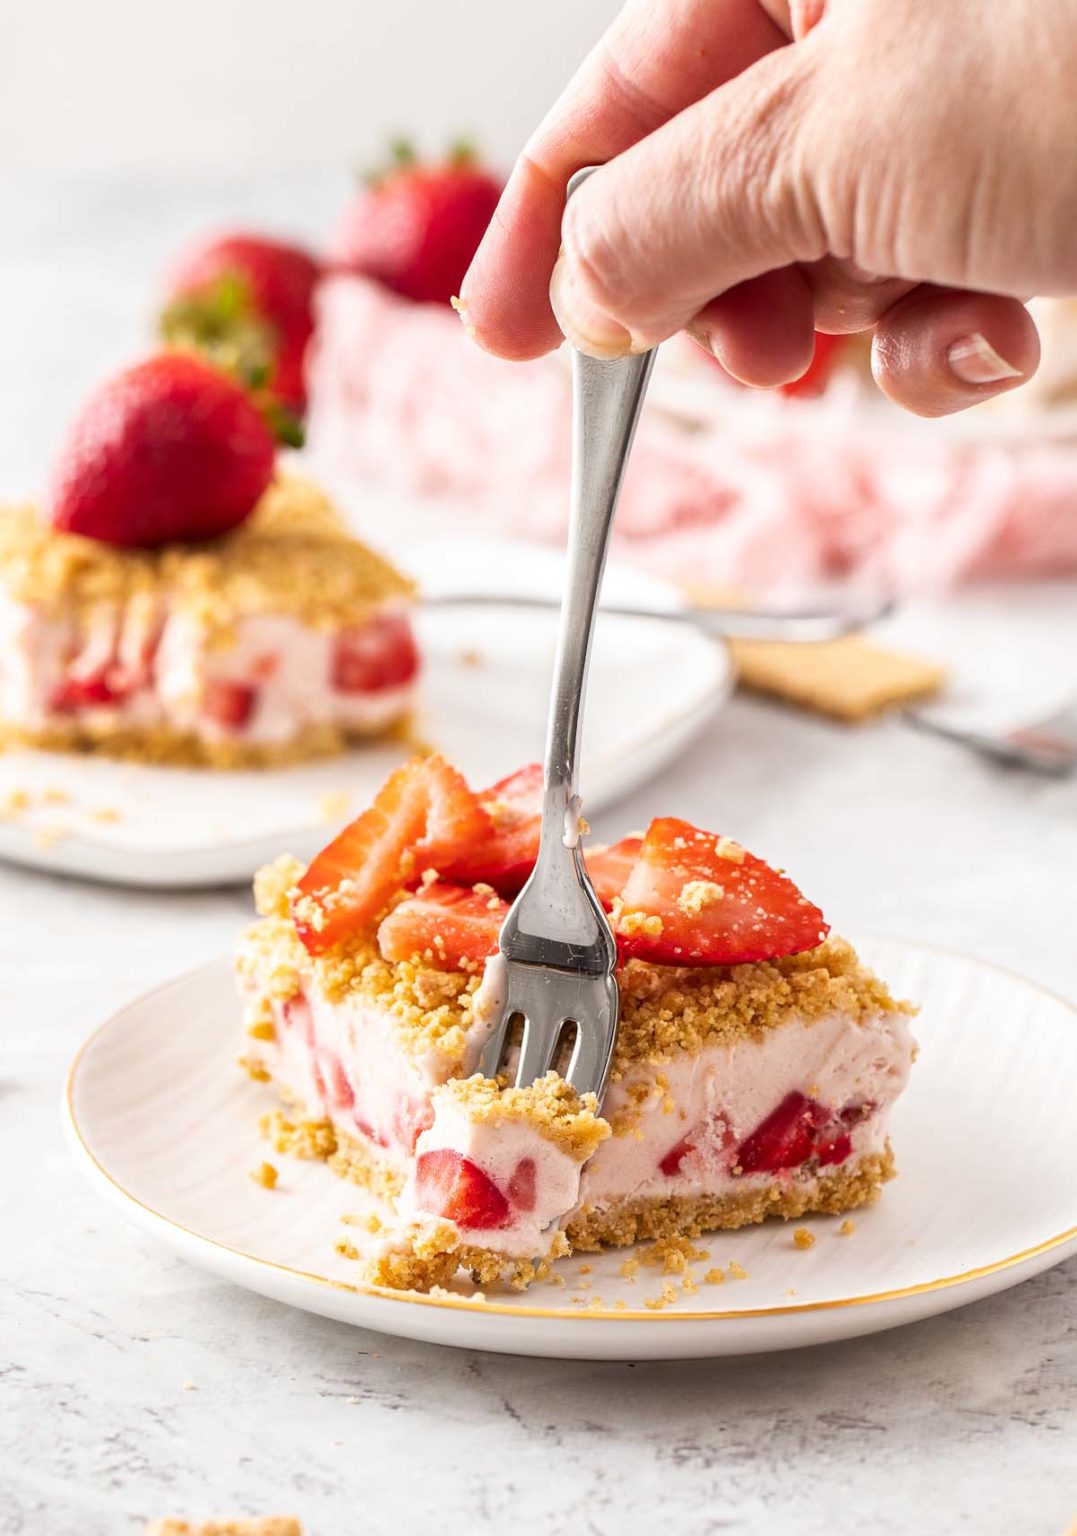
697, 894
551, 1105
431, 1009
293, 555
667, 1009
664, 1009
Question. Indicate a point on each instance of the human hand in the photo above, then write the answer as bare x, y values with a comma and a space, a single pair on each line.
903, 167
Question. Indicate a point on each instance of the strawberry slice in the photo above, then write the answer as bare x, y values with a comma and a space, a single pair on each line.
506, 857
75, 693
671, 1163
785, 1138
228, 704
449, 925
609, 868
694, 898
376, 655
451, 1185
522, 1185
423, 816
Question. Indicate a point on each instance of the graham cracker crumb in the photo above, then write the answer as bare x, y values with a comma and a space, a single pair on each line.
551, 1105
630, 1268
802, 1238
639, 922
106, 813
847, 1228
255, 1069
315, 1140
273, 1525
48, 837
265, 1175
262, 1029
334, 805
55, 797
737, 1271
695, 895
673, 1254
345, 1249
714, 1276
14, 803
666, 1298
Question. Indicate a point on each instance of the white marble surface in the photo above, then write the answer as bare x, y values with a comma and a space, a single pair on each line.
132, 1385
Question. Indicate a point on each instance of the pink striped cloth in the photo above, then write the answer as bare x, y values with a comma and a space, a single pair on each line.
767, 491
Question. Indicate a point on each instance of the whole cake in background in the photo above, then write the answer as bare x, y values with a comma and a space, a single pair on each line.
179, 600
846, 485
756, 1065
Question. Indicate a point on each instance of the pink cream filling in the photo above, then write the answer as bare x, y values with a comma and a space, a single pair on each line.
795, 1104
148, 665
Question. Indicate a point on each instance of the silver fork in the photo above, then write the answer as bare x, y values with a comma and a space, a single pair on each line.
557, 948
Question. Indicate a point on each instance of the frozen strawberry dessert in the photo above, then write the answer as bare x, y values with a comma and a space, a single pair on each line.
180, 600
756, 1065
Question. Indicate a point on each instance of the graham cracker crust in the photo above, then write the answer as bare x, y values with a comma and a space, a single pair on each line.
160, 747
433, 1256
349, 1158
692, 1215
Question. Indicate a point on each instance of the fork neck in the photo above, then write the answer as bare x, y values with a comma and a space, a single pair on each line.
607, 398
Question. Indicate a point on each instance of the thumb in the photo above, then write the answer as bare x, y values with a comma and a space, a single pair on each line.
716, 196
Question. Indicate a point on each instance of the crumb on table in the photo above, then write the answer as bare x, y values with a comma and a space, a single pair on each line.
270, 1525
265, 1175
802, 1238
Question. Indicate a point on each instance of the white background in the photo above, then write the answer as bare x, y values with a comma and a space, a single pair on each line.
197, 85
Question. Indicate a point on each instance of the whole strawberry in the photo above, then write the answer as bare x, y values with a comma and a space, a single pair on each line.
168, 449
246, 302
416, 227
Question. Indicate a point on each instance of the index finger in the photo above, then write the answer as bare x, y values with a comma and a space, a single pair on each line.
657, 58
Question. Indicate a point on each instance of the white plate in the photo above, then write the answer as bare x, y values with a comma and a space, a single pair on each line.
653, 686
986, 1141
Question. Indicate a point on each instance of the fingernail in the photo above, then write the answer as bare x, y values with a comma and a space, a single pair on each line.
975, 361
586, 326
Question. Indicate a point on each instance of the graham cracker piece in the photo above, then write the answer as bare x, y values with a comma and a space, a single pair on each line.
270, 1525
851, 678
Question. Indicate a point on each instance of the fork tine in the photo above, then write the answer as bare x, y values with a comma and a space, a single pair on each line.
592, 1053
493, 1052
541, 1037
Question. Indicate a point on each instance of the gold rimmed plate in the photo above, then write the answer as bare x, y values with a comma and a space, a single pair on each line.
165, 1125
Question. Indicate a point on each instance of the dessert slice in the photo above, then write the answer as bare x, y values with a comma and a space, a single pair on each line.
281, 639
756, 1064
179, 601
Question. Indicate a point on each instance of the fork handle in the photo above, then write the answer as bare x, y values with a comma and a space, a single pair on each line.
557, 919
607, 399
